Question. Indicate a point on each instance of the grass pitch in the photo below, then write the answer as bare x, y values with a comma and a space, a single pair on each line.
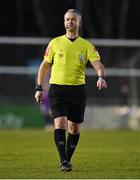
100, 154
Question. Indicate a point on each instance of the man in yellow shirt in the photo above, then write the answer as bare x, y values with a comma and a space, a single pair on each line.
67, 57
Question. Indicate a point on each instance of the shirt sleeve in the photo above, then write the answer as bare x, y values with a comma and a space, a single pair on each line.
49, 53
92, 53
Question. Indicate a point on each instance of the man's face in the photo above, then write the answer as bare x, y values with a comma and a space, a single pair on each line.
71, 21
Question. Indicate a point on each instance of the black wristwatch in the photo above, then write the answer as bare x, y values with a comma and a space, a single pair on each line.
102, 76
38, 88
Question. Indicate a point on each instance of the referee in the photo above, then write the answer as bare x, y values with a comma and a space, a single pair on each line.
67, 56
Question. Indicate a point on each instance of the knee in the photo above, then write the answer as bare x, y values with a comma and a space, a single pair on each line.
60, 123
73, 129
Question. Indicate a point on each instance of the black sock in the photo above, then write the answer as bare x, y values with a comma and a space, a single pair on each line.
60, 141
72, 142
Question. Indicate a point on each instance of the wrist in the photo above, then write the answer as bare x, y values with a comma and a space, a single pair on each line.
38, 88
101, 76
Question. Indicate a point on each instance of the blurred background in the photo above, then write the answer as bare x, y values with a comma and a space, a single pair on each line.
26, 27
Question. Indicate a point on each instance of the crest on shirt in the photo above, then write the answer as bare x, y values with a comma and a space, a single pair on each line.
47, 51
81, 58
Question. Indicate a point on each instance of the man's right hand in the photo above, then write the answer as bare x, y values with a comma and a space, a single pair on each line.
39, 97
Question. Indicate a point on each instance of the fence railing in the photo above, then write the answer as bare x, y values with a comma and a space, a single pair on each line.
19, 61
45, 40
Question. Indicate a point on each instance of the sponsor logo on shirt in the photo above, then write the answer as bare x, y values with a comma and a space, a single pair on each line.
60, 55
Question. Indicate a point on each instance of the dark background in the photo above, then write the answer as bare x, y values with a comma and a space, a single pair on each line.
107, 19
44, 18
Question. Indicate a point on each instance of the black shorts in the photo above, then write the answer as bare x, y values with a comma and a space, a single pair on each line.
67, 100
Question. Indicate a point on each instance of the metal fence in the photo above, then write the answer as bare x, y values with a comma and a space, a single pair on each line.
19, 62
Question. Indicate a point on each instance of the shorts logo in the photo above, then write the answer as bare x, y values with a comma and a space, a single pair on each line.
81, 58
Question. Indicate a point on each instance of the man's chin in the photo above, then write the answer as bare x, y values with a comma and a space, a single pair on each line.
72, 30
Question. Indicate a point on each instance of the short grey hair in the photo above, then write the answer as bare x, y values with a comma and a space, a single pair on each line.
76, 12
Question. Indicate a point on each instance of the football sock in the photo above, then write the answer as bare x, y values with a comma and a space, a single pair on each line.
72, 142
60, 141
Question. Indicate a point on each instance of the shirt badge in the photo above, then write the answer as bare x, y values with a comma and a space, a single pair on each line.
81, 58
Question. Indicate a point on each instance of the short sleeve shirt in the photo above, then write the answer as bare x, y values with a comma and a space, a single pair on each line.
69, 59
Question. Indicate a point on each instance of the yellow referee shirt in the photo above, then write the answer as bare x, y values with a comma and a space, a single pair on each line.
69, 60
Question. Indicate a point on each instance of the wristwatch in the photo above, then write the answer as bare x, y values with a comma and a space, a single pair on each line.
38, 88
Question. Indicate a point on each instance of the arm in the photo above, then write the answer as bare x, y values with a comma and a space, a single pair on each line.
100, 70
43, 70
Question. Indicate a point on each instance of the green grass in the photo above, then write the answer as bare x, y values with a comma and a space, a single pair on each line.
100, 154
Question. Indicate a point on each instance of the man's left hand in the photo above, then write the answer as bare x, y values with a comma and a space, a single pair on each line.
101, 83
